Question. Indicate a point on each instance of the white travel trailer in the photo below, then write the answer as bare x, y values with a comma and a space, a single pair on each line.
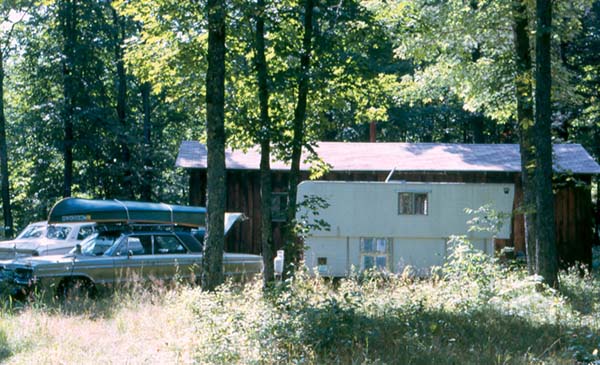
390, 225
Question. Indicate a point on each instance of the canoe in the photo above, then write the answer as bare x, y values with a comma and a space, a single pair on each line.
127, 212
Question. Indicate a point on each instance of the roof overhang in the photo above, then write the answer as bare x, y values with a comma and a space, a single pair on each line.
402, 157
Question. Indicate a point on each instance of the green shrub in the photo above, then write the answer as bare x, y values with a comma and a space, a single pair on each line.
473, 310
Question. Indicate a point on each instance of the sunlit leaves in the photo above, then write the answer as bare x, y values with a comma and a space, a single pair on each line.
466, 48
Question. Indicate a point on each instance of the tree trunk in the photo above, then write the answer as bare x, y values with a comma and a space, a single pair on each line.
293, 248
146, 188
477, 118
478, 125
6, 207
265, 147
69, 27
212, 274
597, 235
547, 262
525, 126
597, 220
119, 27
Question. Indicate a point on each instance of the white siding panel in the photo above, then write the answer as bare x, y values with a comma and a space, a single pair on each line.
359, 209
334, 249
370, 209
421, 254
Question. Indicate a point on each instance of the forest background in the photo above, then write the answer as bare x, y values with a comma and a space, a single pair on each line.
111, 88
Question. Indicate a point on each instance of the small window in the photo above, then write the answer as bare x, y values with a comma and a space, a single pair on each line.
413, 204
375, 253
322, 265
279, 204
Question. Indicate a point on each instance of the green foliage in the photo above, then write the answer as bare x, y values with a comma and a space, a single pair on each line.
424, 70
465, 49
582, 122
35, 105
475, 311
486, 219
309, 221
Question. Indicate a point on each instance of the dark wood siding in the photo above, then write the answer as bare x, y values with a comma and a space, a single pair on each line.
574, 219
573, 206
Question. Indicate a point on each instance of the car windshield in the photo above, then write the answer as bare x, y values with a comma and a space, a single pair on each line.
97, 244
32, 231
58, 232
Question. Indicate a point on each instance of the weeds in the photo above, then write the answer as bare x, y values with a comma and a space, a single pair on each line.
473, 310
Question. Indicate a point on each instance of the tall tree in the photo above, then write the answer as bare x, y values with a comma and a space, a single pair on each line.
546, 259
6, 10
212, 273
146, 186
6, 209
265, 146
68, 23
298, 130
119, 39
523, 88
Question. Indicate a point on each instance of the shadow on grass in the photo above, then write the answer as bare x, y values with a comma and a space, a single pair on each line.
343, 336
105, 302
5, 351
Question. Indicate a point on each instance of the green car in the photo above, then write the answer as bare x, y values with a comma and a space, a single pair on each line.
137, 245
116, 257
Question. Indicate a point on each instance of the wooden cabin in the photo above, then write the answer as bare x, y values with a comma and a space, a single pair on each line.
410, 162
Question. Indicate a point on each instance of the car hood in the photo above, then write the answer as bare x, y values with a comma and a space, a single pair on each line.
26, 245
21, 245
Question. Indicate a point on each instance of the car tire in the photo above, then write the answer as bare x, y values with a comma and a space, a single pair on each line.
76, 289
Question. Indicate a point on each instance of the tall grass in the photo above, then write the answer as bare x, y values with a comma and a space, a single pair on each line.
471, 311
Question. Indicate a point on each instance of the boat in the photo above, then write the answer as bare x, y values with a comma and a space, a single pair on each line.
126, 212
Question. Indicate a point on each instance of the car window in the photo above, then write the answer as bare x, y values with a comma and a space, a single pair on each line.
32, 232
136, 245
199, 234
58, 232
84, 232
167, 245
192, 244
97, 245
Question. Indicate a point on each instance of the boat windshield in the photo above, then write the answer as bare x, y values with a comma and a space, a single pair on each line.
97, 244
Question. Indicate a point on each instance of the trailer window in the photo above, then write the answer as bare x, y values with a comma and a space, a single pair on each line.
375, 253
413, 204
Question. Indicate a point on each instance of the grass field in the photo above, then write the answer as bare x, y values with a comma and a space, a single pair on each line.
472, 311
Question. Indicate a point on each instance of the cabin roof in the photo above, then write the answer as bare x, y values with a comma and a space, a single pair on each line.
386, 156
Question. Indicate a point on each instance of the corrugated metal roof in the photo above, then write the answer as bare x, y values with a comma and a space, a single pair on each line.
385, 156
